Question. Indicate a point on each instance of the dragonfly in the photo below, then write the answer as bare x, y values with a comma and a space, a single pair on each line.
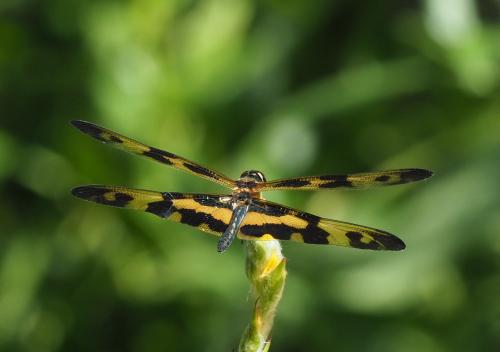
244, 213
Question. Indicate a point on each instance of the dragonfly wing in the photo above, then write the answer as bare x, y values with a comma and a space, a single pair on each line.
267, 220
209, 213
351, 181
129, 145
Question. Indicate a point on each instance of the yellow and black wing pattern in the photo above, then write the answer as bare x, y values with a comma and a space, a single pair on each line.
129, 145
266, 220
209, 213
349, 181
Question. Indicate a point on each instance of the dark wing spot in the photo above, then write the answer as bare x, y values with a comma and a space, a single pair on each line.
355, 241
163, 152
97, 194
88, 192
380, 241
157, 154
162, 208
335, 181
121, 200
114, 139
382, 178
389, 241
411, 175
90, 129
194, 218
312, 233
191, 217
312, 219
200, 170
278, 231
293, 183
315, 235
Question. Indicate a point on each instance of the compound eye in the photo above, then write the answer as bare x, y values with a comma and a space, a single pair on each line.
260, 176
245, 174
256, 175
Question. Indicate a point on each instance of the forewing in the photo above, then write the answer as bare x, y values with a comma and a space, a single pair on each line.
266, 220
352, 181
129, 145
209, 213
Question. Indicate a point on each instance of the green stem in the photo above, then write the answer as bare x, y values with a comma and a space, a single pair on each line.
266, 271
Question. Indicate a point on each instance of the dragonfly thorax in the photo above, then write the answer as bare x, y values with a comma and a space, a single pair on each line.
242, 197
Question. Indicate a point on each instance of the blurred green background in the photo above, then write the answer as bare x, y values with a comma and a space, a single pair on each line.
287, 87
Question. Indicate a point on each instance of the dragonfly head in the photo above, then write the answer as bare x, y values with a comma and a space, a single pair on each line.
248, 181
254, 175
